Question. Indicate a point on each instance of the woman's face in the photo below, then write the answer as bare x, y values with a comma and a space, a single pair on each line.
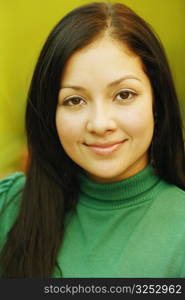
104, 116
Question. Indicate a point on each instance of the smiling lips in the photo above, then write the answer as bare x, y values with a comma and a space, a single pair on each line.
105, 148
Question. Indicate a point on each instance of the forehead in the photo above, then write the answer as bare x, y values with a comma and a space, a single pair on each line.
103, 60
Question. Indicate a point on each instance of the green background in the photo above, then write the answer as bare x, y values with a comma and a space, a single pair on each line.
24, 26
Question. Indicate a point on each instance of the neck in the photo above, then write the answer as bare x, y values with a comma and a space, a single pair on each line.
109, 194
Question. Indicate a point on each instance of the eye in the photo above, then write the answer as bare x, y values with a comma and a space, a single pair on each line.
126, 95
73, 101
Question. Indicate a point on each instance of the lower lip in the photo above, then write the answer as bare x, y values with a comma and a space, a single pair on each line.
107, 150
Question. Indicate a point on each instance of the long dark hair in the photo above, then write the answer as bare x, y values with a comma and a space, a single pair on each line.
51, 187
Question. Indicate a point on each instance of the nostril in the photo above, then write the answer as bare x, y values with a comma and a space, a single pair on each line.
101, 126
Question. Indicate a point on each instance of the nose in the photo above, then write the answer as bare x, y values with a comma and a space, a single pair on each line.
101, 120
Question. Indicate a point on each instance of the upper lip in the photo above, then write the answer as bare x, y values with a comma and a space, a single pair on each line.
104, 145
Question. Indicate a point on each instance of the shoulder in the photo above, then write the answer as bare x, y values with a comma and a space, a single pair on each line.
171, 199
171, 191
10, 187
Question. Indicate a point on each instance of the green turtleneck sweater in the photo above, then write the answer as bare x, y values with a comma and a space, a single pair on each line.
131, 228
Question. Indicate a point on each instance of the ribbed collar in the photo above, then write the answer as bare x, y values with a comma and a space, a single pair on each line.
130, 191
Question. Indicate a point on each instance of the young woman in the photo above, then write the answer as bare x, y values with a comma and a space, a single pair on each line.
104, 192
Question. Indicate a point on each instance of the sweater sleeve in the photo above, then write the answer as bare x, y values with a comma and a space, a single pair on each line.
11, 189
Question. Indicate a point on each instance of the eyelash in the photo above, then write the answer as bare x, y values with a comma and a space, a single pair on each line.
132, 93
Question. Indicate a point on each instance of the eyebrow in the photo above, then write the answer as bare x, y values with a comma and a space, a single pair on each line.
111, 84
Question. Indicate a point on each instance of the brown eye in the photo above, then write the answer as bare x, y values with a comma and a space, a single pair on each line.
125, 95
73, 101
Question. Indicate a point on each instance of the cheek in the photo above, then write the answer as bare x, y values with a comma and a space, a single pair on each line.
69, 128
137, 122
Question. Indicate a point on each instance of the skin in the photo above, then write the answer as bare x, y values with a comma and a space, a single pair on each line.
102, 114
